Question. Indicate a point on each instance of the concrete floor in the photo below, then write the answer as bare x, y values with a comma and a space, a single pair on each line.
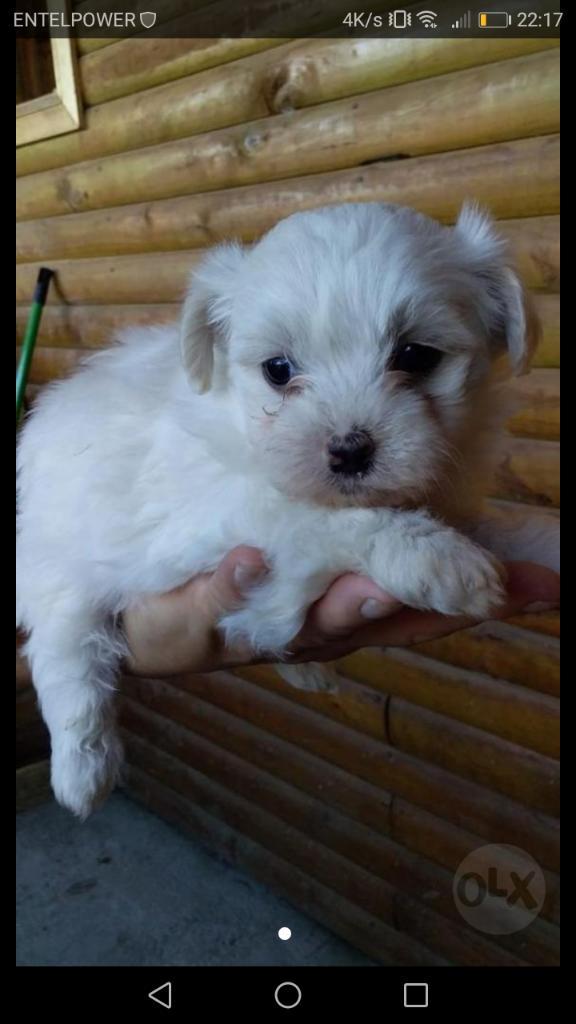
127, 889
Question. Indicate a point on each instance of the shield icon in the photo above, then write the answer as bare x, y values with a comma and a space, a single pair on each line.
148, 18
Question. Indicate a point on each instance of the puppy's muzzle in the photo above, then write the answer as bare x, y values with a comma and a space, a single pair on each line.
351, 455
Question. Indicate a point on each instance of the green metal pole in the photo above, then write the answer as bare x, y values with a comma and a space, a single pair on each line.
41, 290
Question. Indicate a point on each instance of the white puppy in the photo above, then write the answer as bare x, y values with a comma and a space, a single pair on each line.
326, 398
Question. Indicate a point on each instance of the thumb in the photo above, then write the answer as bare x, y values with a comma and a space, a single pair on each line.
227, 587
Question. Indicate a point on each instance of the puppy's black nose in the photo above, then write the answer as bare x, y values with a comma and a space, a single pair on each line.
351, 455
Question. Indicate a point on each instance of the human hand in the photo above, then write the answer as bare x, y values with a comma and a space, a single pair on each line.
177, 632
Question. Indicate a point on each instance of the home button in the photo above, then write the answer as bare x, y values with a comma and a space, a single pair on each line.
288, 995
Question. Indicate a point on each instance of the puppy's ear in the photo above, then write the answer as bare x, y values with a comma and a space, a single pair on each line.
206, 312
504, 306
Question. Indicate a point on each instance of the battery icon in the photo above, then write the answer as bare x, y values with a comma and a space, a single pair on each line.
494, 19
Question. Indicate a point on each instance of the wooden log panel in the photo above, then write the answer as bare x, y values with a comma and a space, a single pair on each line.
289, 77
514, 179
363, 930
135, 280
523, 775
503, 651
464, 803
432, 116
51, 364
351, 881
383, 858
466, 750
541, 622
538, 396
92, 327
141, 63
535, 245
398, 868
529, 471
150, 277
33, 785
548, 309
499, 707
32, 739
126, 280
411, 826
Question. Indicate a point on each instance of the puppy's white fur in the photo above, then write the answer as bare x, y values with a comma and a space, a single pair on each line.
135, 475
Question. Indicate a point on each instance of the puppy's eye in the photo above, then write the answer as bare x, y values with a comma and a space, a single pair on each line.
278, 371
415, 359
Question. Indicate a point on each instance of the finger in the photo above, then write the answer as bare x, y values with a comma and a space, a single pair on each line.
530, 584
527, 584
350, 602
227, 588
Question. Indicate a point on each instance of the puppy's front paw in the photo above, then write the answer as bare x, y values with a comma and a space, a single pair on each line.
267, 623
443, 571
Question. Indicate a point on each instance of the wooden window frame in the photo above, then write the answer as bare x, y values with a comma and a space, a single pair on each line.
59, 111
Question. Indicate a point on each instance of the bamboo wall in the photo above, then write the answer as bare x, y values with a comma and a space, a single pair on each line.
357, 806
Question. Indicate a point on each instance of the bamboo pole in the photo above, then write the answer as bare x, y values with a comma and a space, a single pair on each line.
354, 705
133, 65
503, 651
465, 749
450, 112
520, 774
123, 280
137, 280
289, 77
495, 705
515, 179
93, 327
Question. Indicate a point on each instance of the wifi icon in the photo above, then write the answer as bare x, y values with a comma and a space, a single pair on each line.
428, 18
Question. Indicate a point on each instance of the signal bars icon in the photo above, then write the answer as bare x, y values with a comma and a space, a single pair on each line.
464, 22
